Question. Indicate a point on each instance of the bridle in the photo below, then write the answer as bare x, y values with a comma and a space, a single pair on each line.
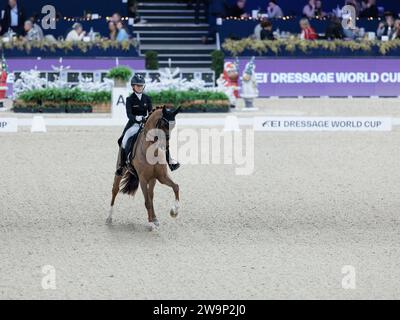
159, 125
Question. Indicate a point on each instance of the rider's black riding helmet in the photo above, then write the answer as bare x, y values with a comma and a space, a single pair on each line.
138, 79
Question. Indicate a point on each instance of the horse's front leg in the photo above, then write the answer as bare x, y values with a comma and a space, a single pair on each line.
144, 185
165, 179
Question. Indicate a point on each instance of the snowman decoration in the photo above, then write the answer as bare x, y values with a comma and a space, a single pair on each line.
249, 84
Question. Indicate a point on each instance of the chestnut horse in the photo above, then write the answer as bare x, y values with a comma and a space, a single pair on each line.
150, 164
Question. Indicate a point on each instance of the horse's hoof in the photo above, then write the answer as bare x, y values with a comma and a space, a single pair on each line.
173, 213
156, 223
153, 226
109, 221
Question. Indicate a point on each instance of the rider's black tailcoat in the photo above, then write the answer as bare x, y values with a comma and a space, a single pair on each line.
136, 107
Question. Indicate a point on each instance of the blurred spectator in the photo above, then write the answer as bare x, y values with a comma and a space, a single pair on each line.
273, 10
334, 29
309, 9
116, 17
258, 28
13, 18
318, 9
132, 10
307, 32
122, 33
32, 31
237, 10
386, 28
113, 30
396, 31
369, 9
76, 34
266, 31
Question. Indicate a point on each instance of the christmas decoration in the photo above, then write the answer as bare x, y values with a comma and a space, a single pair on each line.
249, 84
228, 81
170, 80
3, 78
31, 80
88, 85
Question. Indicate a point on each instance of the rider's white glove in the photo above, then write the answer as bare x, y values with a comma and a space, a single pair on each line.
139, 118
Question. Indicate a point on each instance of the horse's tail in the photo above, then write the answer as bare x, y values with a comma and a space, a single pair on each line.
129, 184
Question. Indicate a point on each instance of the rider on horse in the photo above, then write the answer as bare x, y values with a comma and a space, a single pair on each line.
138, 107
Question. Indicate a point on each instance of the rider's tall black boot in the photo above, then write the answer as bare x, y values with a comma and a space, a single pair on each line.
121, 163
173, 165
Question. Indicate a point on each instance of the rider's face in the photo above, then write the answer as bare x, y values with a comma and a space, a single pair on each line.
138, 88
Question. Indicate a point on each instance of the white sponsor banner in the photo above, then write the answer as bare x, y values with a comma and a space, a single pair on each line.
119, 96
8, 125
322, 124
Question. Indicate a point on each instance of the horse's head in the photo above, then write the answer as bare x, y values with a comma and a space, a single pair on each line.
162, 119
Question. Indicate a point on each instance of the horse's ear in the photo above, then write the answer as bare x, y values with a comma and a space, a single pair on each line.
177, 111
164, 109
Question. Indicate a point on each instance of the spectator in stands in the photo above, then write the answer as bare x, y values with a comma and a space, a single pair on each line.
319, 12
273, 10
307, 32
266, 31
76, 34
132, 10
122, 33
13, 18
309, 9
113, 30
258, 28
352, 34
396, 32
334, 29
32, 31
116, 17
386, 28
237, 10
370, 10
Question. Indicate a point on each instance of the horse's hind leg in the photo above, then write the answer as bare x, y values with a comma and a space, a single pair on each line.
115, 190
152, 184
144, 185
168, 181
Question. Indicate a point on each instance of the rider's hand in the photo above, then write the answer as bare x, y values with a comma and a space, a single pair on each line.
139, 118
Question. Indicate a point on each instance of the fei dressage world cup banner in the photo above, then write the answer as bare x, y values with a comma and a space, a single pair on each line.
326, 77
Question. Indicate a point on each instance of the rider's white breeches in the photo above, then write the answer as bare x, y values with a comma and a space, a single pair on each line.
130, 133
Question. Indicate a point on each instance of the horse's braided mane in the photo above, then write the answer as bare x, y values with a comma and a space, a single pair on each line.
152, 111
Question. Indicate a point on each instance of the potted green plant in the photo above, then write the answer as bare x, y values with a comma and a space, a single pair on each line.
192, 100
121, 76
151, 60
52, 100
217, 62
78, 102
101, 101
